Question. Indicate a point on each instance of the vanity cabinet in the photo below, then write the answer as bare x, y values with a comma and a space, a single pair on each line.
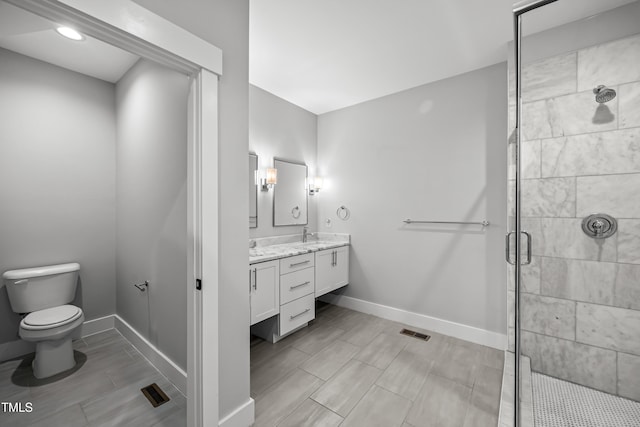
264, 284
332, 269
284, 291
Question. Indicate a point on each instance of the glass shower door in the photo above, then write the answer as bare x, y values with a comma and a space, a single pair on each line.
578, 179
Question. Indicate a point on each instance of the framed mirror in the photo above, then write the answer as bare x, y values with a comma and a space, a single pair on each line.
290, 194
253, 191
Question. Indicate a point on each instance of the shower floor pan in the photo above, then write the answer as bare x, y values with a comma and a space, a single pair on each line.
558, 403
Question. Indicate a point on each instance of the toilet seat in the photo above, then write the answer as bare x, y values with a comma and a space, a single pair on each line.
50, 317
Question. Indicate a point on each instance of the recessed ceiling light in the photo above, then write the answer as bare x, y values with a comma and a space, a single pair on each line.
70, 33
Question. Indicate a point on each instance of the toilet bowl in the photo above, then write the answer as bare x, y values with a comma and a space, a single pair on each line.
43, 294
51, 330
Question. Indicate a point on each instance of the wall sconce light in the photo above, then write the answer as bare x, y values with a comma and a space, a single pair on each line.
270, 180
315, 184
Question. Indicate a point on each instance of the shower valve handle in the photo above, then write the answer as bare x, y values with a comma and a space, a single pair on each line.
597, 226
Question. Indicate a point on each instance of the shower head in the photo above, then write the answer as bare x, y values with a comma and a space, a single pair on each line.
604, 94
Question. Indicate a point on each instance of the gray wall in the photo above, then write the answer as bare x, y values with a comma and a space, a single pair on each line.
152, 205
435, 152
278, 128
607, 26
57, 179
225, 24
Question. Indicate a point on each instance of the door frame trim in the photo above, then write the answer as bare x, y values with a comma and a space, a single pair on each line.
133, 28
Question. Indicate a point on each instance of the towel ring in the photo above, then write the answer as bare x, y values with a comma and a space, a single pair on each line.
343, 213
294, 211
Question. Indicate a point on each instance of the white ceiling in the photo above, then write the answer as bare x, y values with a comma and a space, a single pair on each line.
323, 55
33, 36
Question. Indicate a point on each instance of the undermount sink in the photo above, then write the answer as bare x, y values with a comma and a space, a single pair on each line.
314, 244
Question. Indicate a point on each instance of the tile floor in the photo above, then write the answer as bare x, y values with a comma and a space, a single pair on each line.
351, 369
559, 403
102, 390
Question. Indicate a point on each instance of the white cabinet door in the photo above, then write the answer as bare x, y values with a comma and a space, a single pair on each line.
332, 269
341, 268
264, 282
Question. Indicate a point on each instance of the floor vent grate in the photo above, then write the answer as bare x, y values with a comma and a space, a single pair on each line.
155, 395
415, 334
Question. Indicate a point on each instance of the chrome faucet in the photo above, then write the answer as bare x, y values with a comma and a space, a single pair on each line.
306, 234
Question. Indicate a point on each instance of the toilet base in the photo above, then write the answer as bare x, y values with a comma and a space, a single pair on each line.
53, 357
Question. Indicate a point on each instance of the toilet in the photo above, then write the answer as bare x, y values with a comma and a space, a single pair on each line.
43, 294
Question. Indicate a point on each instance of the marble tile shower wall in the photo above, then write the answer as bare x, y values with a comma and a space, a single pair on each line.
580, 308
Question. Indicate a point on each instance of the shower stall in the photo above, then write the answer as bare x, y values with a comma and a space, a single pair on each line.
574, 214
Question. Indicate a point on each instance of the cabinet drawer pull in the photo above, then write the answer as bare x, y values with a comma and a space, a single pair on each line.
299, 314
299, 263
298, 286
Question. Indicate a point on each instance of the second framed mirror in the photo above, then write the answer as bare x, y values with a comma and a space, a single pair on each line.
290, 194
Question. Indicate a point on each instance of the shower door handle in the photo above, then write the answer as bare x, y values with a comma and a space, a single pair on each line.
528, 259
507, 248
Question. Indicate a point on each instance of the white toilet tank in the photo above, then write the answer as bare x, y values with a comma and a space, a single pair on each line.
37, 288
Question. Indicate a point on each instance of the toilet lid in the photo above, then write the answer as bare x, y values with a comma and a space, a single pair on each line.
51, 317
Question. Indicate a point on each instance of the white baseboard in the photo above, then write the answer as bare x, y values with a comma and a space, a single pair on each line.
12, 349
243, 416
98, 325
173, 372
441, 326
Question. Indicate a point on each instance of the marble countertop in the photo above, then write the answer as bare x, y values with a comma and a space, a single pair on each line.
277, 250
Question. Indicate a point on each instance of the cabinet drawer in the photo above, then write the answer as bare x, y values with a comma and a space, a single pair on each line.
297, 313
297, 284
295, 263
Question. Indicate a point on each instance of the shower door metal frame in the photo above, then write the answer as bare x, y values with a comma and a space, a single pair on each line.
519, 9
